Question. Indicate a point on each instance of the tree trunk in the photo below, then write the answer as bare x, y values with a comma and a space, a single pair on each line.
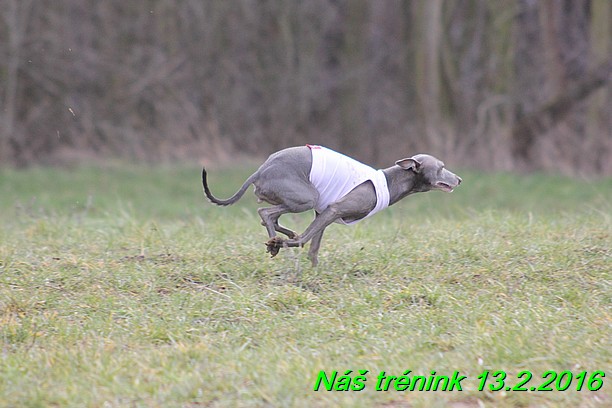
545, 116
16, 20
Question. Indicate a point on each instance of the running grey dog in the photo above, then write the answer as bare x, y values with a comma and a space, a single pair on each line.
339, 189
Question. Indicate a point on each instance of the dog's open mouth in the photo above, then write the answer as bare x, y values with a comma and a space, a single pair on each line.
444, 187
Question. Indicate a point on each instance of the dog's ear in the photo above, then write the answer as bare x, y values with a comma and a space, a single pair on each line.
409, 163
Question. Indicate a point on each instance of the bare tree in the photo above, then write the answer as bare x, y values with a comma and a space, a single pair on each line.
16, 16
488, 83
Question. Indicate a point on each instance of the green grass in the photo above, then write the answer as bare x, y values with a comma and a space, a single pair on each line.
120, 286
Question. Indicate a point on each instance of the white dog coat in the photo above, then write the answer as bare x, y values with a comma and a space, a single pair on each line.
334, 175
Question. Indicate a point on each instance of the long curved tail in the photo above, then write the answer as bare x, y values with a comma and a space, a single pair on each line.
230, 200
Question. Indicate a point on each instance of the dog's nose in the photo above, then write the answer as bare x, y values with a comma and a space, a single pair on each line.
459, 180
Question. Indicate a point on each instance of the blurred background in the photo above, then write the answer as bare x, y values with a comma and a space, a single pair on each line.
488, 84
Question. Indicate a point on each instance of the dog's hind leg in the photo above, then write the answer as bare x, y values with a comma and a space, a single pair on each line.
355, 205
314, 232
290, 196
269, 219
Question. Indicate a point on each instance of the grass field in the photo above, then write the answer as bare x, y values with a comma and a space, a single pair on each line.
120, 286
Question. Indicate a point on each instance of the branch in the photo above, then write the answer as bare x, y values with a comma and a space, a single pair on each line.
547, 115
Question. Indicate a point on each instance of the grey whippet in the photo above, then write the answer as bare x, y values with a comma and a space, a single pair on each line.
285, 181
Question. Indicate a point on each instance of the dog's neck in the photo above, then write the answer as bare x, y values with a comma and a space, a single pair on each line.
401, 183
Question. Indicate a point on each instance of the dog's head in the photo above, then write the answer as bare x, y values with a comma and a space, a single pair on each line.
430, 173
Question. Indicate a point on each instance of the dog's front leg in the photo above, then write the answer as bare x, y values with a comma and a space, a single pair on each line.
313, 251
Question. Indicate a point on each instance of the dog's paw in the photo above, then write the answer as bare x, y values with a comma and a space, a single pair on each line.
274, 245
